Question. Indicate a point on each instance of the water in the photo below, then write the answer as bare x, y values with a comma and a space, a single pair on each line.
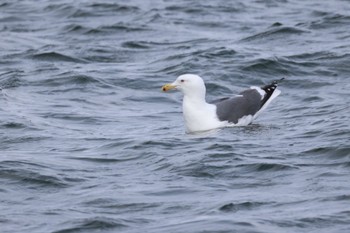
89, 143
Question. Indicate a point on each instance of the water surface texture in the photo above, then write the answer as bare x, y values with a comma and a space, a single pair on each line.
89, 143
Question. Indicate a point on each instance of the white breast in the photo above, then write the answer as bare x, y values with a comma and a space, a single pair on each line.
200, 116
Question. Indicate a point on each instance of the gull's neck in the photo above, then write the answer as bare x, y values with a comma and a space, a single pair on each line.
198, 114
196, 99
195, 95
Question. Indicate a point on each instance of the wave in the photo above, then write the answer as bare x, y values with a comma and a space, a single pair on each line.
118, 27
322, 59
29, 174
274, 67
11, 79
11, 19
317, 55
200, 8
13, 125
55, 57
186, 44
201, 169
344, 197
88, 9
330, 152
89, 224
76, 28
320, 63
274, 33
312, 222
234, 207
100, 160
215, 53
5, 4
114, 7
327, 20
262, 167
69, 81
135, 45
114, 205
102, 9
103, 29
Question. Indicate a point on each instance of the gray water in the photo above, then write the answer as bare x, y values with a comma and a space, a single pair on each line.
89, 143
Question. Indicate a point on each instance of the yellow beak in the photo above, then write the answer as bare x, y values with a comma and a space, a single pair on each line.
168, 87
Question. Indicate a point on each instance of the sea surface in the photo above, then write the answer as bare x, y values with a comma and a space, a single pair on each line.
89, 143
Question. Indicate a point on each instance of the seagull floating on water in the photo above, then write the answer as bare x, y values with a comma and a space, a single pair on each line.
239, 110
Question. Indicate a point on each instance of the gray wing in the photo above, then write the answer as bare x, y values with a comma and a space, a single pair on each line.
232, 109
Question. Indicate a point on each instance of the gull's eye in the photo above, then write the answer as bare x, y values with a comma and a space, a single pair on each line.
182, 80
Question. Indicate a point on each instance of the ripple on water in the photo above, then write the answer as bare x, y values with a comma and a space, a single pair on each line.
113, 7
55, 57
35, 176
266, 167
32, 175
330, 152
234, 207
11, 79
114, 206
90, 224
328, 20
274, 33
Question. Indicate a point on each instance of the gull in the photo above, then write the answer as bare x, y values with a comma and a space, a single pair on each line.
238, 110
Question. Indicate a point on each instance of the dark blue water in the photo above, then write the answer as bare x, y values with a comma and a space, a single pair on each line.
89, 143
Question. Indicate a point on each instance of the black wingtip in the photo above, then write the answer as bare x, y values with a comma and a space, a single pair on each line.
278, 81
269, 89
272, 86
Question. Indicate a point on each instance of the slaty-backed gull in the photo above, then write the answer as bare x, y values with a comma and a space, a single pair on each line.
239, 110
